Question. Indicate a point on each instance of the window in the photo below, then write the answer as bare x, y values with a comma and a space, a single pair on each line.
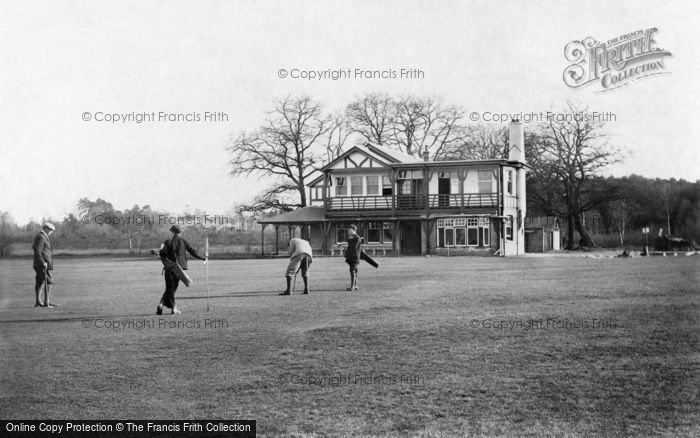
485, 236
373, 232
449, 237
387, 232
509, 182
509, 228
411, 174
485, 227
356, 185
485, 181
316, 193
341, 189
460, 236
387, 186
341, 234
471, 231
372, 185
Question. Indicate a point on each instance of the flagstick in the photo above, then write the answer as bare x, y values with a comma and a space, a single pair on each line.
206, 262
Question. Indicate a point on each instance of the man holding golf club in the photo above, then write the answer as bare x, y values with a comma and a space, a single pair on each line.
300, 258
43, 265
174, 250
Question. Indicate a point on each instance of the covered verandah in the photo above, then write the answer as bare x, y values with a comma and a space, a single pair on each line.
305, 219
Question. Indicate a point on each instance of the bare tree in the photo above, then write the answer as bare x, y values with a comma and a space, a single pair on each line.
290, 146
480, 142
277, 197
371, 116
337, 137
410, 124
424, 124
571, 150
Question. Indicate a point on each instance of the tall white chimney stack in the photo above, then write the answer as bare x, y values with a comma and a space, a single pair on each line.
516, 143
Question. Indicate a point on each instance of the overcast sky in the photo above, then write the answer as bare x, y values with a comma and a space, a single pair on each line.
62, 59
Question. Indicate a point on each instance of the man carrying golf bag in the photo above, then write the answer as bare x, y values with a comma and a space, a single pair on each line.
300, 258
173, 253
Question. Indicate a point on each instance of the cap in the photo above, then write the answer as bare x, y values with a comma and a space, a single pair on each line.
50, 226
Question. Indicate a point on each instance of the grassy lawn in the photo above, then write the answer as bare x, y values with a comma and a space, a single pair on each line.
428, 347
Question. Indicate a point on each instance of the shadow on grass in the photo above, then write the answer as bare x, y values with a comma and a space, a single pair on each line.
233, 294
261, 293
77, 318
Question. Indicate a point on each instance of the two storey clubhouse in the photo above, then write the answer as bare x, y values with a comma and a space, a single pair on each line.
408, 206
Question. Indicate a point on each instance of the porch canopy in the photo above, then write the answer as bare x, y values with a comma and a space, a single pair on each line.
298, 218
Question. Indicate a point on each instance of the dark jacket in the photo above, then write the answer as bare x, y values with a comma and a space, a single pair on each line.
42, 251
352, 252
174, 250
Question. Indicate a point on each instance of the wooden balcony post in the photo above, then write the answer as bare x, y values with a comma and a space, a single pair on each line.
462, 176
427, 174
392, 179
277, 239
326, 180
393, 236
262, 239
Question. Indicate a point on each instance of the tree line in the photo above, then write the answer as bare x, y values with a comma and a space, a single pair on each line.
298, 136
99, 225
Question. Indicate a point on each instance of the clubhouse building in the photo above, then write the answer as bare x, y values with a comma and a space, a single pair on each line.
407, 206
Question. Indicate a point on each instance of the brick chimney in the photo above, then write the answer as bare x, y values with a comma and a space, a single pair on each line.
426, 155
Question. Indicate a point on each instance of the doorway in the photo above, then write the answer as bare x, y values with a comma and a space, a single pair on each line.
410, 238
444, 185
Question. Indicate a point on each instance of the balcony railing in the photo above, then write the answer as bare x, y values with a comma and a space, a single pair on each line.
467, 200
412, 202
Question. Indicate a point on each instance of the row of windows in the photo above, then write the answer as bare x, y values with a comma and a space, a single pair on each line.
451, 232
463, 222
463, 231
374, 232
468, 231
356, 185
409, 182
464, 236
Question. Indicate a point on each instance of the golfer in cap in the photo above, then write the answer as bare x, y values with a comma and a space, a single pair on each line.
43, 265
300, 258
174, 250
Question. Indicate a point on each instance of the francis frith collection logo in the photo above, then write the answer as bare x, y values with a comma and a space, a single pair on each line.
614, 63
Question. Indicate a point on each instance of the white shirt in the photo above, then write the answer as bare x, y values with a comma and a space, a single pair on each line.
299, 246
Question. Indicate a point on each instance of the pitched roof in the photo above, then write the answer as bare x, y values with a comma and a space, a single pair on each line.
304, 215
379, 155
393, 156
